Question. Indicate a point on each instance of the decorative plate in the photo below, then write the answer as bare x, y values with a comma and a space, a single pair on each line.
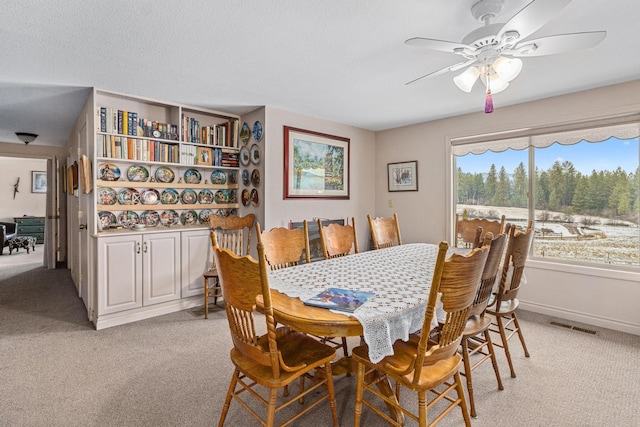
204, 216
246, 198
165, 174
170, 217
106, 219
254, 197
138, 173
128, 218
189, 197
218, 177
192, 176
233, 177
221, 196
245, 177
255, 177
232, 196
257, 130
255, 154
189, 217
245, 133
150, 218
107, 196
245, 156
128, 196
223, 213
109, 172
150, 196
205, 197
169, 197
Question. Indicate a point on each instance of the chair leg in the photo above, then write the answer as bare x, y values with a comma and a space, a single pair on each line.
422, 408
359, 392
463, 402
332, 394
206, 298
517, 324
467, 374
271, 410
505, 344
227, 401
494, 361
216, 285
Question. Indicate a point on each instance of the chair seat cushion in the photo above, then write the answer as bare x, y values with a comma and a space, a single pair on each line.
296, 349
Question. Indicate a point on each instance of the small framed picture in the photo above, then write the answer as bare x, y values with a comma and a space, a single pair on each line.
204, 156
38, 182
403, 176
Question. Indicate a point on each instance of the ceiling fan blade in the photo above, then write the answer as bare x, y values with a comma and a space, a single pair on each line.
433, 44
532, 17
454, 67
558, 44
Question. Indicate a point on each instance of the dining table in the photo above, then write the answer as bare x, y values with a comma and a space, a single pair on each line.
399, 276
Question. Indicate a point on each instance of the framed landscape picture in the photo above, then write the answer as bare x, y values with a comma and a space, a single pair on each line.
316, 165
403, 176
38, 182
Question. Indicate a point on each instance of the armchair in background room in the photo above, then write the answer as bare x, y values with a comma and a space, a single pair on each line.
8, 230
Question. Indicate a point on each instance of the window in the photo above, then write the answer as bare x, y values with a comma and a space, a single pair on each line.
585, 186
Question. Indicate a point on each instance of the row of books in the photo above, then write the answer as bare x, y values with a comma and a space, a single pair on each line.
221, 134
120, 147
122, 122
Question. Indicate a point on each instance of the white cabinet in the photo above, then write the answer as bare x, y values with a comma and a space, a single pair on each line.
136, 270
196, 259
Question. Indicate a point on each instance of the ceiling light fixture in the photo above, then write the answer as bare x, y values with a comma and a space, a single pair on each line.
26, 137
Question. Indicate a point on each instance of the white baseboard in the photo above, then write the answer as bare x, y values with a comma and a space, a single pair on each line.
586, 318
128, 316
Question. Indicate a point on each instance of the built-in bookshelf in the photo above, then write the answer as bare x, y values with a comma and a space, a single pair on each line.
161, 164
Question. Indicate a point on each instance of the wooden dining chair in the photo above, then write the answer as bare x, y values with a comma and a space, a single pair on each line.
504, 305
338, 240
232, 232
275, 359
465, 229
477, 346
284, 247
385, 231
427, 364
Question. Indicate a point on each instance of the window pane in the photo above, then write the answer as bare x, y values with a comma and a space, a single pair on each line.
490, 185
586, 202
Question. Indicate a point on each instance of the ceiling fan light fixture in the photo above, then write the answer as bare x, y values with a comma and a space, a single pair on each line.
507, 68
496, 83
467, 79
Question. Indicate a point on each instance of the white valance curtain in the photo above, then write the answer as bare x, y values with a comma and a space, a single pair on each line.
477, 145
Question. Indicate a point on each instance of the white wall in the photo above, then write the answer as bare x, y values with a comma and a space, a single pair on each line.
278, 212
583, 294
25, 202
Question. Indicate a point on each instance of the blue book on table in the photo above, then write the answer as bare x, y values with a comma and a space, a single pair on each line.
340, 299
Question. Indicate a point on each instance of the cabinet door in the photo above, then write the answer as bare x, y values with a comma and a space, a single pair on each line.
119, 273
161, 263
196, 259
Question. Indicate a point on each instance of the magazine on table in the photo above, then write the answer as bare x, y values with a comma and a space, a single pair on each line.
340, 299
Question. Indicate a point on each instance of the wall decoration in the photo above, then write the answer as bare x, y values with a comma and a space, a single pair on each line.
205, 156
87, 182
38, 182
316, 165
403, 176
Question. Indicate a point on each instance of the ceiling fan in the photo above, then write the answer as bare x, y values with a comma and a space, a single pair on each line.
493, 51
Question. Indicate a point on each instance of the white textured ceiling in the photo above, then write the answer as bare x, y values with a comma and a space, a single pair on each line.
338, 60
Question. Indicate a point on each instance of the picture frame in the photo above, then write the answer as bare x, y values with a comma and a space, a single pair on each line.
403, 176
38, 181
316, 165
204, 156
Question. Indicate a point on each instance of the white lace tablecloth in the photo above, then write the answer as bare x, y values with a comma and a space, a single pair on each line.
400, 277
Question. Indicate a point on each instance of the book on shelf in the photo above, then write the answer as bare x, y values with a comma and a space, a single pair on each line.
340, 299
